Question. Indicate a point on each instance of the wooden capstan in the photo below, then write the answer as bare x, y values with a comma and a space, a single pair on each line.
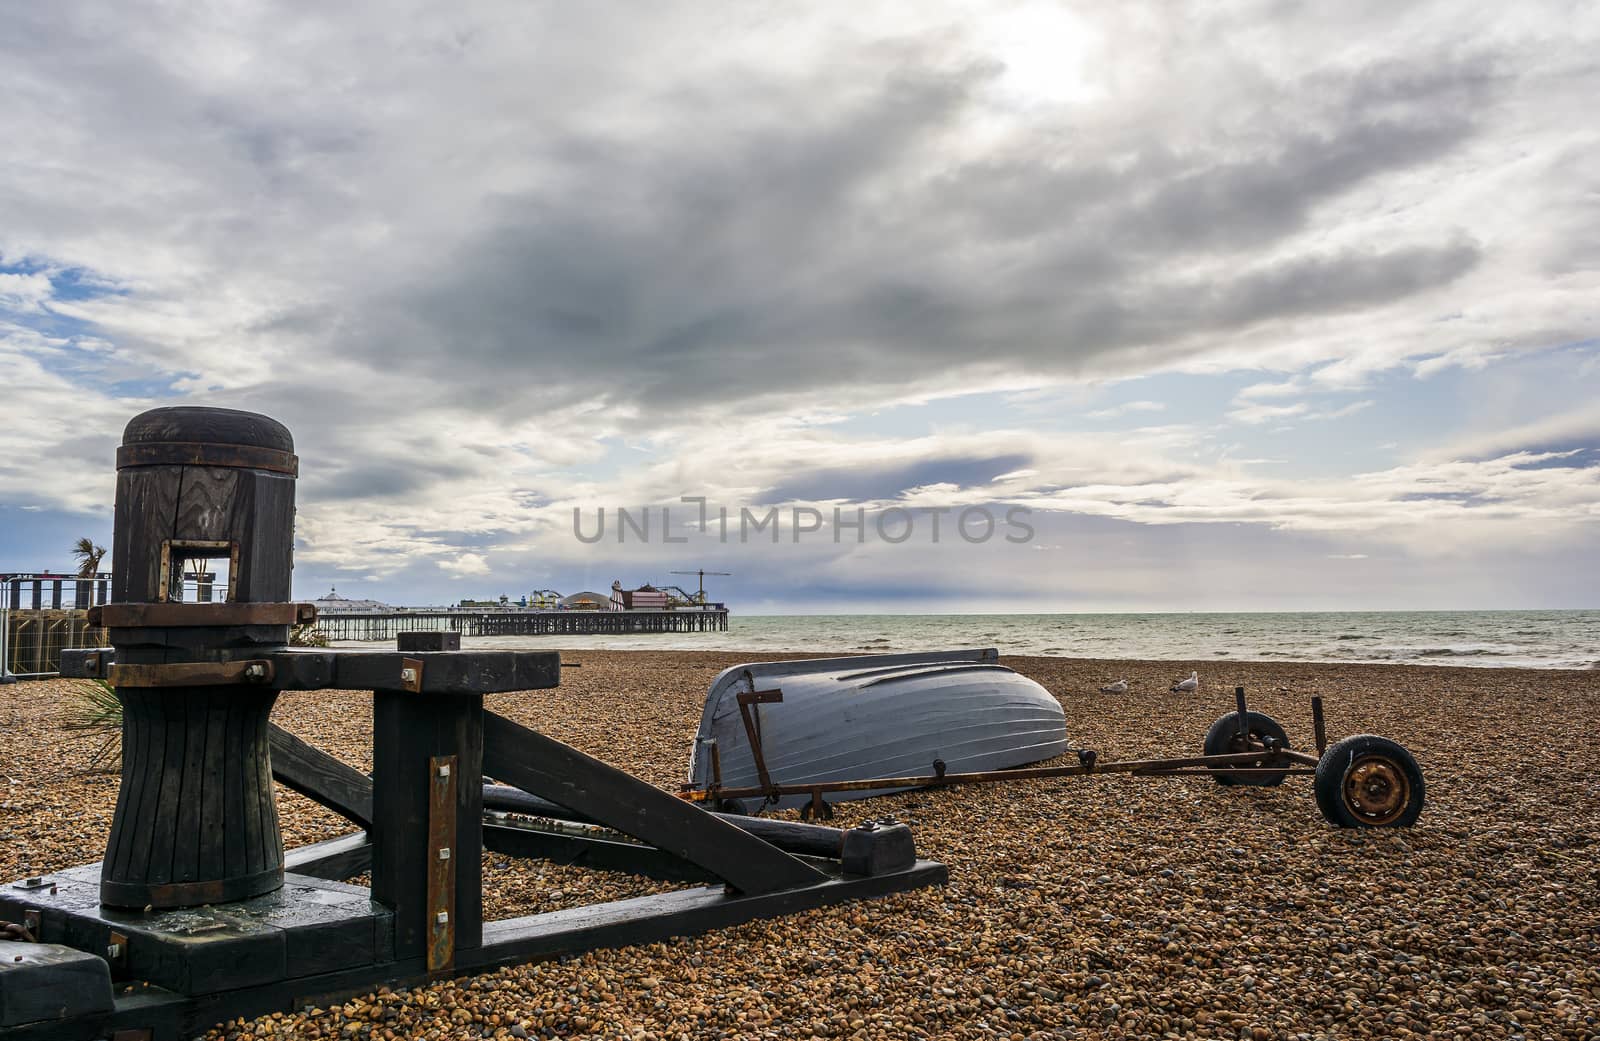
210, 492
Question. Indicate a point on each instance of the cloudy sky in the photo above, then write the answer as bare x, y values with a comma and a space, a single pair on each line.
1250, 306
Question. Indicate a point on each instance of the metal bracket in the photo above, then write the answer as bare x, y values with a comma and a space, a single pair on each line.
441, 906
195, 453
752, 728
93, 663
117, 952
256, 671
411, 675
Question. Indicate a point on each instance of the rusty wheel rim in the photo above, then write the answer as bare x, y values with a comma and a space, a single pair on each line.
1376, 790
1254, 741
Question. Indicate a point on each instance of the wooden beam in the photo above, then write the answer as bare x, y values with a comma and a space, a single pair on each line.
409, 730
334, 859
320, 777
684, 912
545, 767
589, 851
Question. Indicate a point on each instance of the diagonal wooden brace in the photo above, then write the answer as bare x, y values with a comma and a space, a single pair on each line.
547, 768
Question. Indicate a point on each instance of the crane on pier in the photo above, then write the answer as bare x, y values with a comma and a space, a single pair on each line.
700, 596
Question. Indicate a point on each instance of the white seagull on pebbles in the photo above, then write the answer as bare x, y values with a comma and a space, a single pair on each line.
1185, 686
1119, 687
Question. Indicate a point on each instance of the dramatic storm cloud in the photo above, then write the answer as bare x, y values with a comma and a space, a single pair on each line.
1258, 281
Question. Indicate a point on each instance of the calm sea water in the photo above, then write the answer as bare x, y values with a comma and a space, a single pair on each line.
1524, 639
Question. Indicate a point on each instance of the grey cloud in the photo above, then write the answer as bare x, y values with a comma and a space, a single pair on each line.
370, 477
1566, 457
771, 255
1344, 281
859, 484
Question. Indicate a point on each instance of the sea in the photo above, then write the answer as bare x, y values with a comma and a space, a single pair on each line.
1503, 639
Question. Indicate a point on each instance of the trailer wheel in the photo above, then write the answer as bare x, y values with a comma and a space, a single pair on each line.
1260, 730
1368, 781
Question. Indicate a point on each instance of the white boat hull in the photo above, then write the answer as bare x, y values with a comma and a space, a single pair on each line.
882, 715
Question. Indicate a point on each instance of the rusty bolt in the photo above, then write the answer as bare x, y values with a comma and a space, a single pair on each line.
442, 918
255, 672
408, 675
444, 854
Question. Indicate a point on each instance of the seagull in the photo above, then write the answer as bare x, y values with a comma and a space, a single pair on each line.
1185, 686
1119, 687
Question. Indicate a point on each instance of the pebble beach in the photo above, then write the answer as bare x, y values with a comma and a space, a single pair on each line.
1109, 907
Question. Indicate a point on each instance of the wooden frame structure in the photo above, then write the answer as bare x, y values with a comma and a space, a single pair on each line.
197, 915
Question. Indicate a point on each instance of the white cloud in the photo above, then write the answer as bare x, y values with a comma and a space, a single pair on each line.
1286, 389
1124, 409
26, 293
1263, 413
466, 565
1344, 410
1473, 358
1576, 427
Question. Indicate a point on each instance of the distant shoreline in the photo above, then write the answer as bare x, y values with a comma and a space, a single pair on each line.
1178, 665
1541, 640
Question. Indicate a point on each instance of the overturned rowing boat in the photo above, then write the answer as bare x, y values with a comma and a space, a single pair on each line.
880, 715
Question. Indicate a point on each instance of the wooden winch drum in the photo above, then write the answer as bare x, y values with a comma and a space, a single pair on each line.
200, 491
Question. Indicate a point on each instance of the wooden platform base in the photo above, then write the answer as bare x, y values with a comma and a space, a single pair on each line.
317, 942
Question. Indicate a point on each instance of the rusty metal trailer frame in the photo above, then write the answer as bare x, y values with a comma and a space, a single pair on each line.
1262, 762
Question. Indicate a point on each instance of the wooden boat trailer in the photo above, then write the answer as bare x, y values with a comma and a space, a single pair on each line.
1380, 785
196, 915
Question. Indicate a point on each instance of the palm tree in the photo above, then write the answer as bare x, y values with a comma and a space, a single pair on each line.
89, 556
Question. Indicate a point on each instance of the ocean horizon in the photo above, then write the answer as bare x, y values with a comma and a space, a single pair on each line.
1568, 639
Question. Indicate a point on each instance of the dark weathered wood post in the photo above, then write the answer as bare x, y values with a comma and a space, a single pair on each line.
196, 819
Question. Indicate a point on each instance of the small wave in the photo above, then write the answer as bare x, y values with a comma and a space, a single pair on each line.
1221, 652
1452, 652
1354, 636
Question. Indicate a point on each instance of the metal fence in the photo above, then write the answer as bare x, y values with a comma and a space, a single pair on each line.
42, 614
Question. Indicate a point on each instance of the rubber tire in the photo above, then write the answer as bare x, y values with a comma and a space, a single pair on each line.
1335, 764
1219, 741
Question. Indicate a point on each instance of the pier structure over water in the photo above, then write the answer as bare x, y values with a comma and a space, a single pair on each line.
499, 622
